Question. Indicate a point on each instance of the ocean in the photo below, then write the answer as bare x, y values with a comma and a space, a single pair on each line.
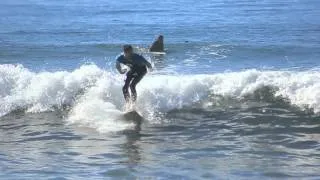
236, 96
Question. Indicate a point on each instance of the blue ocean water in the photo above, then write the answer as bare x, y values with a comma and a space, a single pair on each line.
236, 96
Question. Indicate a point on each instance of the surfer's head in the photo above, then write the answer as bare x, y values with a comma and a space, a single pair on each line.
127, 50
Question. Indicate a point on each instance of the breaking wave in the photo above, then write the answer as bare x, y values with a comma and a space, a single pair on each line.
93, 95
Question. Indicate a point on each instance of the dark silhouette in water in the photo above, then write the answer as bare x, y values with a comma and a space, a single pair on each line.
157, 45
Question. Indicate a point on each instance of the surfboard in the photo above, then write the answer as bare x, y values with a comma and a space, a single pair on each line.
157, 53
133, 116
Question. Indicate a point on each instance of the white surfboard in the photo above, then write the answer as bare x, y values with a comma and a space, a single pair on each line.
157, 53
133, 116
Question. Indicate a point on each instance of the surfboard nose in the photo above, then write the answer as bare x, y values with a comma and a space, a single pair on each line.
134, 117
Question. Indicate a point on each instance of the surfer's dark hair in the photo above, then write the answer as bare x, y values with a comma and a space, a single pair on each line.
127, 48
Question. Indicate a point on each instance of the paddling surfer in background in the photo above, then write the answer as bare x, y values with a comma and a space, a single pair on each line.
138, 68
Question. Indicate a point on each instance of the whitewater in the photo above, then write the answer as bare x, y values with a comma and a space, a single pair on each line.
92, 95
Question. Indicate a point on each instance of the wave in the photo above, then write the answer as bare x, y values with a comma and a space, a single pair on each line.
93, 95
38, 92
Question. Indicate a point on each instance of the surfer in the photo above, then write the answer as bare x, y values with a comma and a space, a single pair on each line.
157, 45
138, 68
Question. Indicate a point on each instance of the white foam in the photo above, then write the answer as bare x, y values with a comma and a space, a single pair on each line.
99, 98
98, 114
40, 92
167, 92
95, 108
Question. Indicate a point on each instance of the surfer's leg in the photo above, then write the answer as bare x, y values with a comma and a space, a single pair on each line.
133, 84
125, 88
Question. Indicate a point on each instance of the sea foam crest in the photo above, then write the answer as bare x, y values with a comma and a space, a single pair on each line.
37, 92
102, 103
95, 94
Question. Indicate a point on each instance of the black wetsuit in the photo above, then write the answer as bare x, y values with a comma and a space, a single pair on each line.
138, 68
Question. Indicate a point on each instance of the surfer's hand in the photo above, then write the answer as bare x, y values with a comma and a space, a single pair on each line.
123, 71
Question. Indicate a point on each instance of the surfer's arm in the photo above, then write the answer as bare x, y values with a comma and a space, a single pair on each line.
146, 63
118, 66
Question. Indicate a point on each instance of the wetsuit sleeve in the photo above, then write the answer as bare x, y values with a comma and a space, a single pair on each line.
146, 63
118, 66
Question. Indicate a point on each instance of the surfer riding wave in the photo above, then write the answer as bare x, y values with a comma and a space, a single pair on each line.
138, 68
